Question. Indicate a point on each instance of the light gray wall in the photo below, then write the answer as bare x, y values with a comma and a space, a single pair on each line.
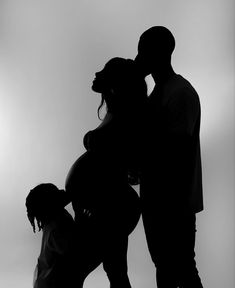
49, 52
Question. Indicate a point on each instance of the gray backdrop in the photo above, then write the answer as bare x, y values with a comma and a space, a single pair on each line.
49, 52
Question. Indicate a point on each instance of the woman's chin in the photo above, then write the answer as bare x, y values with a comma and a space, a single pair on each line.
95, 88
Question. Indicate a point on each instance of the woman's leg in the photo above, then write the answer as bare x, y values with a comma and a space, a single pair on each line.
115, 261
115, 244
87, 254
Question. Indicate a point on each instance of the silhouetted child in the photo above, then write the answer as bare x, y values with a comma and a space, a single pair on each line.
45, 204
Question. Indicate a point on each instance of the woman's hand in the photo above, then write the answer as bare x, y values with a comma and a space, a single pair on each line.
86, 212
133, 178
83, 213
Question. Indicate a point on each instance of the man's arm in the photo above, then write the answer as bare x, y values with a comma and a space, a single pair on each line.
182, 112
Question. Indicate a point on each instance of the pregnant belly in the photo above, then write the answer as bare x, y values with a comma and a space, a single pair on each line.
94, 185
91, 171
83, 174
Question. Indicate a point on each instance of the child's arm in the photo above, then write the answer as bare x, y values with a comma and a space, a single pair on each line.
60, 239
58, 242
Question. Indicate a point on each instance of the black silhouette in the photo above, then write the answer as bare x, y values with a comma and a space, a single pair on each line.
45, 205
171, 181
106, 207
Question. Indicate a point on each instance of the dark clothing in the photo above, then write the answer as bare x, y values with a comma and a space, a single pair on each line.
173, 160
171, 182
171, 242
55, 262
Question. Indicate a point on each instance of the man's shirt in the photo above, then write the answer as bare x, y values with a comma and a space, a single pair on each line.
172, 169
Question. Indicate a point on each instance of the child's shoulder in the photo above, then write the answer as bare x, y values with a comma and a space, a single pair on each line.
60, 229
65, 219
62, 221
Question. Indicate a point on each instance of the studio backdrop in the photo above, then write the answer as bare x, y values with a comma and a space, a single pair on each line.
49, 53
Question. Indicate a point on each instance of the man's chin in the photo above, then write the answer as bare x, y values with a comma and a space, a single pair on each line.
142, 67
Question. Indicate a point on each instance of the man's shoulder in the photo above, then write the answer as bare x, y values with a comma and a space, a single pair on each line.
180, 88
178, 84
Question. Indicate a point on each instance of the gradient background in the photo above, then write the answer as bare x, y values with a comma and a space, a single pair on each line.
49, 52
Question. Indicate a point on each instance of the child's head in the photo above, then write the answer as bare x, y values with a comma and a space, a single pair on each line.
43, 203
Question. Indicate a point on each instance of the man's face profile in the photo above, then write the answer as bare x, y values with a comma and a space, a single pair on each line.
144, 59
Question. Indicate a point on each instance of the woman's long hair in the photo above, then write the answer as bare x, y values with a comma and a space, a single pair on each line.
128, 89
127, 101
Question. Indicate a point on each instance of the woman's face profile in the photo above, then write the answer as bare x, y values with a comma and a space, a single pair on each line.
112, 82
101, 82
111, 76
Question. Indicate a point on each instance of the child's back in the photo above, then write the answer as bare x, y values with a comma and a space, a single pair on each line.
45, 205
55, 262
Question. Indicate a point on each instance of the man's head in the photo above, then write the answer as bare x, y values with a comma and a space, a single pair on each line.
154, 49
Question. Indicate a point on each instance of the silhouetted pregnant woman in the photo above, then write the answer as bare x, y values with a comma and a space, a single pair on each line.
107, 208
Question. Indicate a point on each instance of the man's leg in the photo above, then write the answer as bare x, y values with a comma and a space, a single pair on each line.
159, 239
189, 277
171, 241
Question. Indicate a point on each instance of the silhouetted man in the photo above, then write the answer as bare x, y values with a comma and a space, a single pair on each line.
171, 182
